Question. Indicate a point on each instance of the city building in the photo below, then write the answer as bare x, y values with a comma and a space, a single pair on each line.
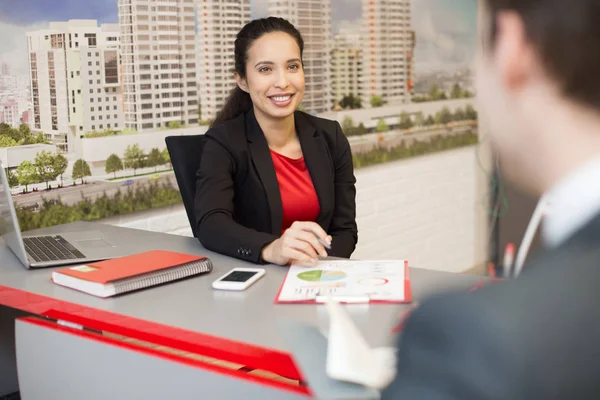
158, 56
75, 84
313, 19
9, 114
4, 69
219, 21
387, 50
346, 63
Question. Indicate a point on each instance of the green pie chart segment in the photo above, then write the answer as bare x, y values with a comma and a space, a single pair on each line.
318, 275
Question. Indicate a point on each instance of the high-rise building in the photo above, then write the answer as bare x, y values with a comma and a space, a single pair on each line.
219, 21
313, 19
387, 47
4, 69
158, 54
9, 114
346, 64
75, 84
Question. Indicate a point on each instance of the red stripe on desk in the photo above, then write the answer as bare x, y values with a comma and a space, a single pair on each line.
252, 356
171, 357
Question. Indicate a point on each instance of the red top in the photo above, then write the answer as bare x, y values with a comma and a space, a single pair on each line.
298, 196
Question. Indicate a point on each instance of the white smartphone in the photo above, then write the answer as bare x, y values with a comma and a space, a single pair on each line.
238, 279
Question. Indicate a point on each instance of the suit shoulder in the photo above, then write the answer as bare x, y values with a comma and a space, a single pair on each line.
229, 133
328, 126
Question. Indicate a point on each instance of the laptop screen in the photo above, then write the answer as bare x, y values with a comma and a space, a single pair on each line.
9, 225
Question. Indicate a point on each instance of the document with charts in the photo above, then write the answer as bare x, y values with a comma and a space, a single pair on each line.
381, 281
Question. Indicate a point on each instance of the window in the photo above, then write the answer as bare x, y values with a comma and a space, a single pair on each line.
91, 37
111, 69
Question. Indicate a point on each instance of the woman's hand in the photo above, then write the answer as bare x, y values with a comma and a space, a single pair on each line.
300, 242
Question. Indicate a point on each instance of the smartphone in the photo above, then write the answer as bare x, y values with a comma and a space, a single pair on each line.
238, 279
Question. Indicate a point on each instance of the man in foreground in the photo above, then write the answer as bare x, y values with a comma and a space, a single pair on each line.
537, 336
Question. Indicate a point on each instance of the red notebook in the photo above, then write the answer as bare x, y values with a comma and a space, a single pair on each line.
125, 274
347, 281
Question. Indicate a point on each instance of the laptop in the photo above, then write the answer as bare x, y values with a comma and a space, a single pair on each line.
36, 251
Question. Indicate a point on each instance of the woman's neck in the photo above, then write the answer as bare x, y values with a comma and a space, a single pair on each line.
278, 132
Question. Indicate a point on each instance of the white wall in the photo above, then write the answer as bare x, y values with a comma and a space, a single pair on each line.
429, 210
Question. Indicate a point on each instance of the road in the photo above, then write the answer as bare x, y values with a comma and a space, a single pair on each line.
92, 189
365, 143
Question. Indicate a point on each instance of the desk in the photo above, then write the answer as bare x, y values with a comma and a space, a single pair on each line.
189, 315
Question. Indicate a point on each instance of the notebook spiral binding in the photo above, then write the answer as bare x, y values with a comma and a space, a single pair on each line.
167, 275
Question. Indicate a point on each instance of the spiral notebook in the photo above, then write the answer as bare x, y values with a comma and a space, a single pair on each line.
125, 274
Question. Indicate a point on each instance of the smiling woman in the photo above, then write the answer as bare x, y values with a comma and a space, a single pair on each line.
275, 185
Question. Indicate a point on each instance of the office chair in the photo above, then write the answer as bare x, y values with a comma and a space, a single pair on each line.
185, 152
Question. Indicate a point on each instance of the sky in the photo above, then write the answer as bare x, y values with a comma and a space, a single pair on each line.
446, 29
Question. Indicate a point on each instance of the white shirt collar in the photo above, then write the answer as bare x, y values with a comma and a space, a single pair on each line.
573, 202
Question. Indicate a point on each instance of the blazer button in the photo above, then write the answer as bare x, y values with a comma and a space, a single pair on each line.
240, 251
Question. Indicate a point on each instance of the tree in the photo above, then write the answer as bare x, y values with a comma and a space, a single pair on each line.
376, 101
155, 159
6, 130
381, 126
167, 157
81, 169
174, 125
27, 174
44, 165
419, 119
457, 92
436, 94
459, 115
60, 166
429, 121
405, 121
347, 125
7, 141
24, 130
12, 178
113, 165
443, 117
470, 113
360, 129
350, 101
134, 157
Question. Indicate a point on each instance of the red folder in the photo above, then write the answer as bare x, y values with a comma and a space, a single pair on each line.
408, 297
120, 275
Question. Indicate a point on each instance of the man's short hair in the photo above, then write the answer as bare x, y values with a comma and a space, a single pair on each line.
566, 34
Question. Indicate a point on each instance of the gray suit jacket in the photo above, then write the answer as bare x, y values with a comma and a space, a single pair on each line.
535, 337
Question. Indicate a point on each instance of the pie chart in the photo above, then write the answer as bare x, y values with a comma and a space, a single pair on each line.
318, 275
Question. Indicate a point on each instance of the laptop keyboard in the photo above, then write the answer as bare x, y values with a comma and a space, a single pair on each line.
51, 248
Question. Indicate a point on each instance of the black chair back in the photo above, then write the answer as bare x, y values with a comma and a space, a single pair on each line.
185, 153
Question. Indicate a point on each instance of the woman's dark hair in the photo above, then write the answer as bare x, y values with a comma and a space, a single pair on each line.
239, 101
566, 34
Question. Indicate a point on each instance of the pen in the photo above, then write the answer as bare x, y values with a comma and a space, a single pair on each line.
324, 243
509, 255
343, 299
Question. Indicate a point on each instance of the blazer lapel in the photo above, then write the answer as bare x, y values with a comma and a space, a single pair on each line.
261, 157
318, 162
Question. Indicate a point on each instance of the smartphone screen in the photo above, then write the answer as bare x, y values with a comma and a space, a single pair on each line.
239, 276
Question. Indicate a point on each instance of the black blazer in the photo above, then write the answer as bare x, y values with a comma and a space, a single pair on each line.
238, 203
535, 337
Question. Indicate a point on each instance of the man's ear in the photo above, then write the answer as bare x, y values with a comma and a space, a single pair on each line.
241, 82
515, 56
